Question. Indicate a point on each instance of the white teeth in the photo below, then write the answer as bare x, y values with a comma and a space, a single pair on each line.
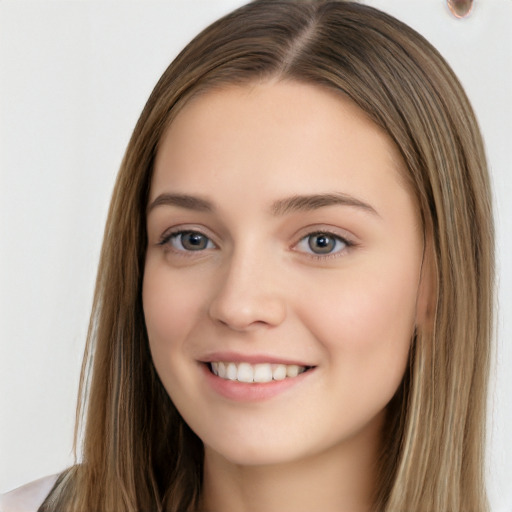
263, 372
231, 371
245, 373
292, 370
279, 372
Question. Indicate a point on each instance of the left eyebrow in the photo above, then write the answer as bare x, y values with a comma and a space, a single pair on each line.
304, 203
185, 201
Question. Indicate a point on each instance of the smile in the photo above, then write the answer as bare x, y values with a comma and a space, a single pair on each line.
258, 373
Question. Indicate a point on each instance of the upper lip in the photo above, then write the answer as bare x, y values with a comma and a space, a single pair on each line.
237, 357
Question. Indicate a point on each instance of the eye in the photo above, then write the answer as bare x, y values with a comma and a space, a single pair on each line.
186, 241
322, 243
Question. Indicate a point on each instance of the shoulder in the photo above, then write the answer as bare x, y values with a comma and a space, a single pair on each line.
29, 497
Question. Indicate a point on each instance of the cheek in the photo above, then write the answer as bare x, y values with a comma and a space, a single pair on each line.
170, 311
366, 322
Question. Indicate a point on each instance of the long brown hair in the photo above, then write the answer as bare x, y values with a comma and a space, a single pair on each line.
138, 454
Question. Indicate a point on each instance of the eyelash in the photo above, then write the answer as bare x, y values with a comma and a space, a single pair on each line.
166, 241
348, 244
167, 238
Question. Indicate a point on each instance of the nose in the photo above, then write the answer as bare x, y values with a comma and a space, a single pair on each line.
248, 295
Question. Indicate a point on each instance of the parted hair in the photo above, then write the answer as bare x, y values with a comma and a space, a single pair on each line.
135, 451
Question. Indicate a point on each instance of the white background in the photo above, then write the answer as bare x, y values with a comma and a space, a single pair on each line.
74, 76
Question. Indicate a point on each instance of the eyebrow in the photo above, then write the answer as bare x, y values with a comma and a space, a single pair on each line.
182, 201
301, 203
296, 203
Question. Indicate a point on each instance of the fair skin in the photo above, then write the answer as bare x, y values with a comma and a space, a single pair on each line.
281, 236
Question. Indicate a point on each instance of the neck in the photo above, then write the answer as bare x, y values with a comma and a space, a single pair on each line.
341, 479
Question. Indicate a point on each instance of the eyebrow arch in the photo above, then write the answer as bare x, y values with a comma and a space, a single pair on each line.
280, 207
313, 202
182, 201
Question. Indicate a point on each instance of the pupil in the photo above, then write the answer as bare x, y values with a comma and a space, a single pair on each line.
193, 241
322, 243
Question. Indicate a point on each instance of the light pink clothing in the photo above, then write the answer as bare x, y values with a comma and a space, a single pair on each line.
29, 497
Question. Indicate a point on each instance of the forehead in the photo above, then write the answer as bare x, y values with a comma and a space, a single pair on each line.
291, 135
274, 102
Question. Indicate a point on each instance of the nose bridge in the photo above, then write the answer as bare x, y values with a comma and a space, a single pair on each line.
247, 292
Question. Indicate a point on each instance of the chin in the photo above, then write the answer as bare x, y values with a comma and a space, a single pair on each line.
244, 453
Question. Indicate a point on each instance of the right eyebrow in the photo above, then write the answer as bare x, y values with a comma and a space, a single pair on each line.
182, 201
317, 201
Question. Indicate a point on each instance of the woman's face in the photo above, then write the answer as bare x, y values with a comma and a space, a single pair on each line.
283, 248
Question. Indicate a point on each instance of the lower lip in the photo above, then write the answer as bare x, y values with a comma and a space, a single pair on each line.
251, 391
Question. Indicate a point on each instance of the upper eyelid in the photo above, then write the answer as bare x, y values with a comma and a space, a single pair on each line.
166, 243
329, 256
340, 238
176, 230
337, 232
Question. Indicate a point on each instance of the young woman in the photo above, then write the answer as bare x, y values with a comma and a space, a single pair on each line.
294, 301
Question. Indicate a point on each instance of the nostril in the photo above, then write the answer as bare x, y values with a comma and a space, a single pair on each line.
249, 312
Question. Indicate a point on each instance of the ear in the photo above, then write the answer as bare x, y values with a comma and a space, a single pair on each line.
427, 290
